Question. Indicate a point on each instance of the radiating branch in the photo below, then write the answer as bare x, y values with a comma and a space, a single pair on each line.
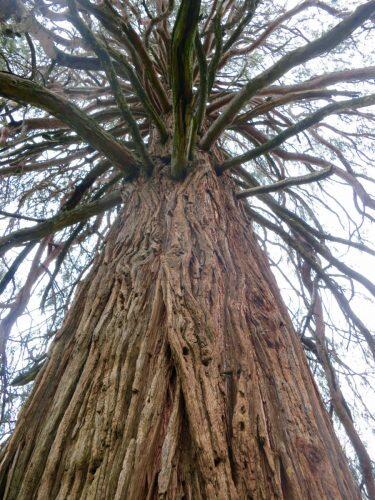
141, 93
295, 224
295, 129
325, 43
291, 181
201, 98
99, 49
60, 221
123, 30
22, 90
291, 216
183, 39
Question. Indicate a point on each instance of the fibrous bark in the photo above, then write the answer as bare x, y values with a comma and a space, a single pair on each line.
177, 372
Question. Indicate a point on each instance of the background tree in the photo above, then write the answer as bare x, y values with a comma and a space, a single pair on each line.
157, 159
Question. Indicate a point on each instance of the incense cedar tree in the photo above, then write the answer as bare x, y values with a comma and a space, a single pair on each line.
158, 159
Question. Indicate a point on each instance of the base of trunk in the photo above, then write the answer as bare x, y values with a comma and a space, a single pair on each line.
177, 373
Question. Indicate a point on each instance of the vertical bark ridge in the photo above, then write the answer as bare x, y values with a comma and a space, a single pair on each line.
177, 371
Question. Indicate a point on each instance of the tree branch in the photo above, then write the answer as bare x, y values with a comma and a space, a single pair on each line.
22, 90
19, 216
15, 265
116, 25
297, 225
60, 221
341, 299
297, 128
107, 65
326, 42
291, 181
183, 39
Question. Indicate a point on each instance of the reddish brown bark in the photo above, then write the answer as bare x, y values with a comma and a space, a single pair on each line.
177, 372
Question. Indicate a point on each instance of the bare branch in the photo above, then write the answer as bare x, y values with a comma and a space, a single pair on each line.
291, 181
60, 221
22, 90
341, 299
297, 128
323, 44
105, 60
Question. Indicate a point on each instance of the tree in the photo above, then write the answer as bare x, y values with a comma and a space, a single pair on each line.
157, 159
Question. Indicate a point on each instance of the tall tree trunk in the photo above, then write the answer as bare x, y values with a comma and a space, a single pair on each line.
177, 372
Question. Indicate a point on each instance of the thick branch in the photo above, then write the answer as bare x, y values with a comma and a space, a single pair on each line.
291, 181
22, 90
115, 86
323, 44
297, 128
183, 39
60, 221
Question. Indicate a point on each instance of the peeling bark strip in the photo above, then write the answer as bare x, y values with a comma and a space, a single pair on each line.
177, 372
